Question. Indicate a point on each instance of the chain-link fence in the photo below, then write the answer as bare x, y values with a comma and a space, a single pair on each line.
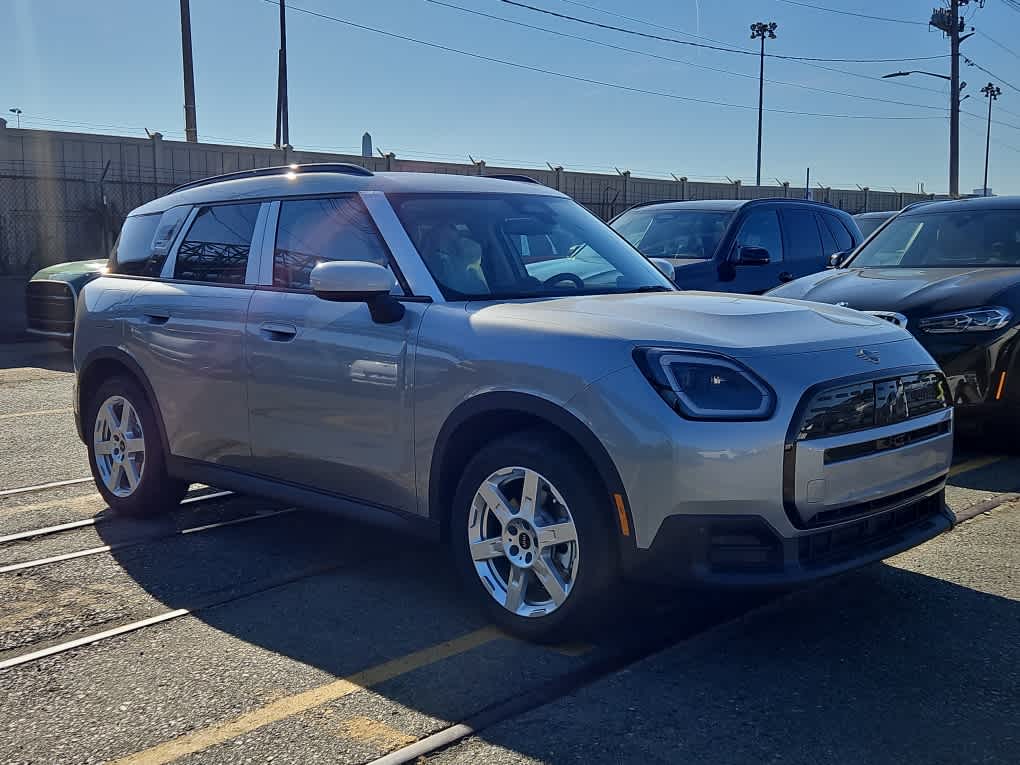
64, 196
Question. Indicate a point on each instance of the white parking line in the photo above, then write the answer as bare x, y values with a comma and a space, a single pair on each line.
43, 486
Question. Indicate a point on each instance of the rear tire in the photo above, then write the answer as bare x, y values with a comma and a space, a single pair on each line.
531, 537
126, 452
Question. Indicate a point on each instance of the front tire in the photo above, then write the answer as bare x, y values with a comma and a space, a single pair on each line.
531, 539
126, 453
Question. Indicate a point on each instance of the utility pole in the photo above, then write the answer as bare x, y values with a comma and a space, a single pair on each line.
992, 93
282, 118
949, 22
763, 30
190, 120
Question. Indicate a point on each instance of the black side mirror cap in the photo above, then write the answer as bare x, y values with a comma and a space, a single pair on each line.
752, 256
836, 259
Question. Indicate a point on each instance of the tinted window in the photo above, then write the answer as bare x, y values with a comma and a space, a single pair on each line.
216, 246
674, 233
829, 244
761, 229
844, 240
312, 231
960, 239
133, 247
802, 242
472, 245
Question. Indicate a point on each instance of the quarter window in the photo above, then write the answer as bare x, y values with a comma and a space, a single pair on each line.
761, 229
133, 247
313, 231
217, 245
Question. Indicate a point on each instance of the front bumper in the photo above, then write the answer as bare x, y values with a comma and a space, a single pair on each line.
746, 552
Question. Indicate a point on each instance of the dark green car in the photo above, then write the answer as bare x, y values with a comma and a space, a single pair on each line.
51, 296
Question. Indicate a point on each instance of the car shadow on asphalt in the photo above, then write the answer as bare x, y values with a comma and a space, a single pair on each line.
880, 666
35, 354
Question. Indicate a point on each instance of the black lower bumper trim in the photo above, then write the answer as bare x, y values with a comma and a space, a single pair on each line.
745, 551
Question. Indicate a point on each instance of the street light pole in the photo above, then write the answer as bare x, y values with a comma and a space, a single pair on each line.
954, 98
190, 120
17, 113
763, 30
992, 93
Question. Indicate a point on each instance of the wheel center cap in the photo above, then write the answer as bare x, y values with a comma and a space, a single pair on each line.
520, 544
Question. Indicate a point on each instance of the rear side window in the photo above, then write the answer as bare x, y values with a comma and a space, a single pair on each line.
313, 231
802, 239
217, 245
839, 231
133, 247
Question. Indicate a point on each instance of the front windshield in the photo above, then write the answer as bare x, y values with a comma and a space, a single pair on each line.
869, 225
961, 239
673, 233
520, 245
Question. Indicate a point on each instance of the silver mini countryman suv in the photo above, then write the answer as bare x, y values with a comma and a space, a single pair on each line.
482, 358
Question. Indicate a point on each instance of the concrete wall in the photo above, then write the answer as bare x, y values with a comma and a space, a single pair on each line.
63, 196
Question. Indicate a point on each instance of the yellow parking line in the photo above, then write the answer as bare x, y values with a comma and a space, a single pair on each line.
65, 410
301, 702
973, 464
375, 733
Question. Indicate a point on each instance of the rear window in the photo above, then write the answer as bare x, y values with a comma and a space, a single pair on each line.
131, 251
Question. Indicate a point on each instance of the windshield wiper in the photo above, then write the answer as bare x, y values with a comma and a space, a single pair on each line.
652, 288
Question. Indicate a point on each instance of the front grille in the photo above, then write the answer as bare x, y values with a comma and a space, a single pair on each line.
872, 403
877, 445
827, 547
861, 509
49, 307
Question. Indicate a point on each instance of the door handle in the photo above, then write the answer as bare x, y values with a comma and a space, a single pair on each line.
786, 276
279, 333
157, 318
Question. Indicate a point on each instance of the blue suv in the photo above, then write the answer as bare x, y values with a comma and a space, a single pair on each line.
731, 245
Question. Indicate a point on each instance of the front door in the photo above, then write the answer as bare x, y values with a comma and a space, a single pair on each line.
329, 389
759, 228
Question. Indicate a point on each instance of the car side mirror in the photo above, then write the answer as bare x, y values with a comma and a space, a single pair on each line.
836, 259
665, 267
352, 281
752, 256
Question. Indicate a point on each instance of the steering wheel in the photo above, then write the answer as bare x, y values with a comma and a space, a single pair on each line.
573, 278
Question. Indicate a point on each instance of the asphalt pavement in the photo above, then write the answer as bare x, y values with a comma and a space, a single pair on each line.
238, 630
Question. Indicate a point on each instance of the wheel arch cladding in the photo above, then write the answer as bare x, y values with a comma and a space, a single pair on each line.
101, 365
473, 423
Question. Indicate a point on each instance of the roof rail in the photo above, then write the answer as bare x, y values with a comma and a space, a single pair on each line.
513, 177
259, 172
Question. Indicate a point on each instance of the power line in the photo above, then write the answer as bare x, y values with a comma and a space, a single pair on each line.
587, 80
659, 57
853, 13
992, 40
642, 21
722, 49
971, 62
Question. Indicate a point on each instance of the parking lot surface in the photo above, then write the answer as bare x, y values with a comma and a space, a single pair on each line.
238, 630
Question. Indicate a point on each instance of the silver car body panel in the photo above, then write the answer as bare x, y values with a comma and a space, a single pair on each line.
348, 406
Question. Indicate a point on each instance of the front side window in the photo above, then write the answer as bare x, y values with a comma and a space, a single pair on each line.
844, 241
674, 233
313, 231
473, 244
217, 245
960, 239
761, 229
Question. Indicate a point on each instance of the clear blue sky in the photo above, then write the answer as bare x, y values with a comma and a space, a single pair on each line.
114, 66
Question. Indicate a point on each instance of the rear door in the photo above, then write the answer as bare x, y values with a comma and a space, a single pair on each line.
804, 252
187, 332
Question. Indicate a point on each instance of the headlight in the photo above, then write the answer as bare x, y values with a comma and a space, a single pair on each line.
705, 386
972, 320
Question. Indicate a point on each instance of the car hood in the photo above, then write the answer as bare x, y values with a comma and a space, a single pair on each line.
903, 289
71, 270
741, 325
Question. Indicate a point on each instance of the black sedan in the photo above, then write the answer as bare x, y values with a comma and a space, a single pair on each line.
950, 273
